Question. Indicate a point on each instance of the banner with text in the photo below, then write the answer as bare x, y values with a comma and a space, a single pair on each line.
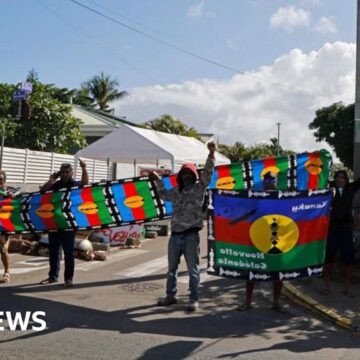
273, 235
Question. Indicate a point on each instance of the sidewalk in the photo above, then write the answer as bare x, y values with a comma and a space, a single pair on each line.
336, 307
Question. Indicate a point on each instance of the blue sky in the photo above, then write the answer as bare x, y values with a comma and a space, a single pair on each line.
300, 55
234, 32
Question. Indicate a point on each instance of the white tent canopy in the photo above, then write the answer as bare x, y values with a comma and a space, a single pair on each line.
129, 144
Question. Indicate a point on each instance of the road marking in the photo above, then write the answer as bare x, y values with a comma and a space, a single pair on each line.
26, 270
155, 265
145, 268
122, 254
40, 263
36, 261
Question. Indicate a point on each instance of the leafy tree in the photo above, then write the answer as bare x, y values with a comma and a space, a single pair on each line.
7, 110
239, 152
82, 97
103, 90
51, 127
262, 150
235, 153
335, 125
32, 76
64, 95
171, 125
6, 104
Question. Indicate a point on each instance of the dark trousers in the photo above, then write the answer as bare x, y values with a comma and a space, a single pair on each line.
64, 240
187, 245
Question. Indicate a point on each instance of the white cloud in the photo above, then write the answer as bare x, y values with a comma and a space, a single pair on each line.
197, 10
289, 18
246, 110
325, 25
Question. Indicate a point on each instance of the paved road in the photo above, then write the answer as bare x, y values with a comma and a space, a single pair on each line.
110, 314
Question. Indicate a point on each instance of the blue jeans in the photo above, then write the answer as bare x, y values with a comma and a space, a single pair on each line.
187, 245
64, 239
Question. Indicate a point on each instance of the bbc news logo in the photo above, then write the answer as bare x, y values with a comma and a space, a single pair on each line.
20, 321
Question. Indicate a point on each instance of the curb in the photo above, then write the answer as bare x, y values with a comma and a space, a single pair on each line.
297, 296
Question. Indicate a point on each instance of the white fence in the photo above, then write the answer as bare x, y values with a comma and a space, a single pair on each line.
24, 166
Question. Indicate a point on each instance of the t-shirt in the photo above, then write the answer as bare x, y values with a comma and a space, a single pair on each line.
61, 185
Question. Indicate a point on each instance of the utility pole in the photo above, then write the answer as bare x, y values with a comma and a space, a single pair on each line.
356, 202
357, 100
278, 138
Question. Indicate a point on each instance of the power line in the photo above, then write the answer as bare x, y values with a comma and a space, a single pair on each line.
175, 47
76, 29
126, 18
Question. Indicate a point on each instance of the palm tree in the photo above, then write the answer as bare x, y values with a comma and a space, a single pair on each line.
104, 89
64, 95
240, 152
235, 153
82, 97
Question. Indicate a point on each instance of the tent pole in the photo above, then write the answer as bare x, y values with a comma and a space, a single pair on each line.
173, 164
76, 160
108, 168
134, 167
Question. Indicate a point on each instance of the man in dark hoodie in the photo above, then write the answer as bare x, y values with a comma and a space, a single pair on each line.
186, 222
340, 230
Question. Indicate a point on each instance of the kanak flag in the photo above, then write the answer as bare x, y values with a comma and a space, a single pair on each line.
270, 233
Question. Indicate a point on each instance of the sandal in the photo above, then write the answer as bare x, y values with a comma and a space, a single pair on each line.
47, 281
5, 278
167, 301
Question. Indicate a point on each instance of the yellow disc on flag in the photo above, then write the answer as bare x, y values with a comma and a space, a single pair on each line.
6, 211
274, 234
225, 183
272, 169
314, 166
88, 208
45, 211
134, 202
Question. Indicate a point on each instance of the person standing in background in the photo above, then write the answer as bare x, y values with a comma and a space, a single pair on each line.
64, 239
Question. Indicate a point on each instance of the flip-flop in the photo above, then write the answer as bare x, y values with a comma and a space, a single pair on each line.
47, 281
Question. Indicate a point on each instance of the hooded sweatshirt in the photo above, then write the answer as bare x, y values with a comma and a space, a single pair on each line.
187, 201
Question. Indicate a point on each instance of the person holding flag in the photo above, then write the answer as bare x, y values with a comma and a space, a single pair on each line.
64, 239
269, 183
5, 191
187, 220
